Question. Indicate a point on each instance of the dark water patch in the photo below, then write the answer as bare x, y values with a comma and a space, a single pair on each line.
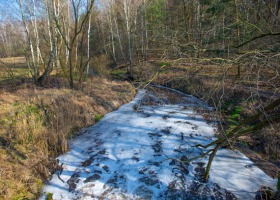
92, 178
72, 182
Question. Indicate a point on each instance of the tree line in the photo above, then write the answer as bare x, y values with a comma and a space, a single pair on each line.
65, 34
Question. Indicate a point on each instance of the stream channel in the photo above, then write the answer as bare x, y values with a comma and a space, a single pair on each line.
133, 153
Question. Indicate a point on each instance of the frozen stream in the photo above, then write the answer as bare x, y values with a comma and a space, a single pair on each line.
124, 156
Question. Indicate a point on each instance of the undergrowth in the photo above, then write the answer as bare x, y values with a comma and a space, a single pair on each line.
233, 98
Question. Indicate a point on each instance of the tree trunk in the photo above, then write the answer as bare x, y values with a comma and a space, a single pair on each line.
119, 37
112, 34
49, 67
34, 71
128, 31
88, 39
211, 158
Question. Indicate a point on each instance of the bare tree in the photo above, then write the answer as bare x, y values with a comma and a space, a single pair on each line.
79, 22
31, 63
88, 38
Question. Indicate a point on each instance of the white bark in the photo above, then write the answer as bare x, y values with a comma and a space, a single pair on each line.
88, 39
5, 40
56, 15
49, 23
146, 31
27, 32
112, 32
128, 31
35, 29
119, 37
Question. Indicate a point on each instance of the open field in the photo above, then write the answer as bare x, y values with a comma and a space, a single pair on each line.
13, 71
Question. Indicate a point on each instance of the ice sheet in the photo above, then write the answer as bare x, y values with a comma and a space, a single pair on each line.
127, 156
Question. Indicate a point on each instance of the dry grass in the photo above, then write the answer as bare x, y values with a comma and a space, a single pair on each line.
14, 60
12, 71
35, 124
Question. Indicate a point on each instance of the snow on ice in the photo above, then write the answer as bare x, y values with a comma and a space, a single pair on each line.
127, 156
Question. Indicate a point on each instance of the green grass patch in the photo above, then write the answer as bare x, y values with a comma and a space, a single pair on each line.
49, 196
163, 64
20, 196
118, 73
97, 117
235, 114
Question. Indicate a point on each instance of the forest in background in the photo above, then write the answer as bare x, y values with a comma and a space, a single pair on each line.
67, 35
226, 52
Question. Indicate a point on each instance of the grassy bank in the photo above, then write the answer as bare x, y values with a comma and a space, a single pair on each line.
36, 122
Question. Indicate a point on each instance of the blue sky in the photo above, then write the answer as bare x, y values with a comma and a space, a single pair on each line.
4, 3
7, 7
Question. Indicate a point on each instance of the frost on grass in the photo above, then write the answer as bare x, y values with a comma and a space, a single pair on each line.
124, 156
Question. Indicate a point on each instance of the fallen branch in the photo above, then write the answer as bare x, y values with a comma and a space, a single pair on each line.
257, 37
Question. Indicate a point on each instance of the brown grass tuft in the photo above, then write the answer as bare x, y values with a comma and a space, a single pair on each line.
35, 124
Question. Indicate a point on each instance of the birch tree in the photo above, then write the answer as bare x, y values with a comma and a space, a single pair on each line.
5, 35
32, 64
79, 22
130, 11
88, 37
127, 14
